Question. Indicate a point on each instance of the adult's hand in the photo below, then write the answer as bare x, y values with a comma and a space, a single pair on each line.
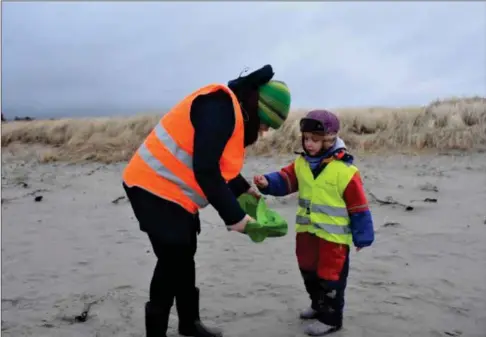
254, 192
241, 225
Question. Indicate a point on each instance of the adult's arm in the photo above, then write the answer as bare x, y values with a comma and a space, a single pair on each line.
213, 119
238, 185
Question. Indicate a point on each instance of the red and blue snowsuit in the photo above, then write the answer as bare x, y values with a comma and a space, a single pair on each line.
324, 265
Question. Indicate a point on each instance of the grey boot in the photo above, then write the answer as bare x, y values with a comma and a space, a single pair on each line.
320, 329
156, 320
308, 313
189, 321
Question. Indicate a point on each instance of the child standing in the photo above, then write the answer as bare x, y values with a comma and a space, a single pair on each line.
332, 214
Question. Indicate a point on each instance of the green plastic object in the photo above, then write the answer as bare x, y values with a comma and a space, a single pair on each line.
268, 222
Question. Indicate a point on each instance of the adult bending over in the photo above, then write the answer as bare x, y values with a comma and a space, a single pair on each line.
193, 158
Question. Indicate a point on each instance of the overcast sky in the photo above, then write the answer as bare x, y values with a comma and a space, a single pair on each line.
123, 57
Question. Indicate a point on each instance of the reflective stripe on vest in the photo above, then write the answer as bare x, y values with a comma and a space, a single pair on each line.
161, 170
322, 209
163, 164
330, 228
333, 211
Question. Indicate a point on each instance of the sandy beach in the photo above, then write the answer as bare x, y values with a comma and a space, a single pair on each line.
79, 249
85, 84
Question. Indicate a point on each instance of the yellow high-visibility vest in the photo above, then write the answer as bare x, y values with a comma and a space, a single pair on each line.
321, 208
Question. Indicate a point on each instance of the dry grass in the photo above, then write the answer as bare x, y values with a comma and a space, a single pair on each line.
450, 124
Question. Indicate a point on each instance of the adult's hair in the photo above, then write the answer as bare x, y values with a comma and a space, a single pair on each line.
249, 106
246, 89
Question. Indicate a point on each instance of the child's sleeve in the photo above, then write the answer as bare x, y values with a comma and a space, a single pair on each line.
360, 215
281, 183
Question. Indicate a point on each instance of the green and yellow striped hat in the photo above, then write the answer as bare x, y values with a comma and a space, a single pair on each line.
273, 103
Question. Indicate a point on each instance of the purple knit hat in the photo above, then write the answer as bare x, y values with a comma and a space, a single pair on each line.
320, 121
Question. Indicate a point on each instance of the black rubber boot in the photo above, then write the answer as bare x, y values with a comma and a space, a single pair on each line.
189, 321
156, 321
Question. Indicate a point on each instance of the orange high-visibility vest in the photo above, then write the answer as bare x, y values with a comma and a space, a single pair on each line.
162, 165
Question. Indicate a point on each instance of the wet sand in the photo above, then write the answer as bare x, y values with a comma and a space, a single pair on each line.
425, 275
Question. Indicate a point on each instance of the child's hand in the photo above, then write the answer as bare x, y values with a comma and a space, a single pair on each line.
260, 181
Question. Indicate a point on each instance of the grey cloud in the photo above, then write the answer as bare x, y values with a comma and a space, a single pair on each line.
123, 57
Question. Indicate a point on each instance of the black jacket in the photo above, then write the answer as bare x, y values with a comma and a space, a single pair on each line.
213, 119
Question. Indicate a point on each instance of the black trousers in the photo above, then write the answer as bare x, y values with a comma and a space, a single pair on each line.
326, 298
172, 232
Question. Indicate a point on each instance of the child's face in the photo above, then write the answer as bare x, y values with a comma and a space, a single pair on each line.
315, 143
